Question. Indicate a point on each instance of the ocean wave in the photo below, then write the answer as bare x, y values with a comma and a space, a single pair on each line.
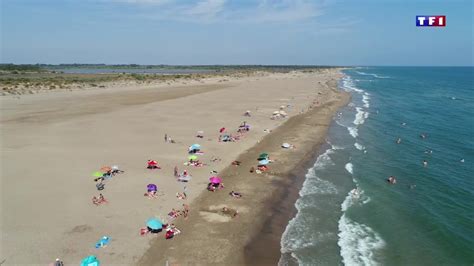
349, 167
348, 85
360, 116
295, 236
360, 147
353, 131
316, 185
373, 75
365, 100
358, 242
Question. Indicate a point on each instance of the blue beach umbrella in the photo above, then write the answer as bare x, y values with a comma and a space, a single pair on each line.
154, 224
90, 261
263, 162
195, 147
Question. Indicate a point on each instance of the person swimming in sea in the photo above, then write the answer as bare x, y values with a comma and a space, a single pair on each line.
392, 180
423, 135
399, 140
425, 163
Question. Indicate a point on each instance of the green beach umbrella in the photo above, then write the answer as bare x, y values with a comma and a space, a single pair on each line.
97, 174
263, 155
193, 157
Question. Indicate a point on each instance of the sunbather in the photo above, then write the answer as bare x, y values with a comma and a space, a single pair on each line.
151, 194
181, 195
235, 194
95, 201
231, 212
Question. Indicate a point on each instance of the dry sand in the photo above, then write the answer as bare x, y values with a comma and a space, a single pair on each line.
51, 143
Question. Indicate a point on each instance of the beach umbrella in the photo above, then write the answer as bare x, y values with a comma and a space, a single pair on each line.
115, 167
222, 130
152, 162
195, 147
276, 112
262, 156
105, 169
154, 224
215, 179
283, 113
152, 187
90, 261
193, 157
98, 174
263, 162
286, 145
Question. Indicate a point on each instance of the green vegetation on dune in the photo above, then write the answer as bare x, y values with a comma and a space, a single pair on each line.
16, 79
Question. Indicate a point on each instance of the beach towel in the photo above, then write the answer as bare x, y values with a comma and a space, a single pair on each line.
103, 242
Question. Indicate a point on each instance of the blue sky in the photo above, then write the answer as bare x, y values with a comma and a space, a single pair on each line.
328, 32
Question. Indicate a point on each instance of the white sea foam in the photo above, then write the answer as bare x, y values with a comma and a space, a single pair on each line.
349, 167
365, 100
359, 146
294, 238
371, 74
358, 242
353, 131
348, 85
360, 116
315, 185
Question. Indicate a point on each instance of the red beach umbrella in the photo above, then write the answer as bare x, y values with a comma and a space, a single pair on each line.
152, 162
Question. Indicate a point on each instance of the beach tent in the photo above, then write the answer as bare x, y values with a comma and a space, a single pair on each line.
195, 147
215, 180
193, 158
263, 156
154, 224
263, 162
152, 162
151, 187
90, 261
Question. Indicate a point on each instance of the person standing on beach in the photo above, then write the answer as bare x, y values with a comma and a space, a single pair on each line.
166, 137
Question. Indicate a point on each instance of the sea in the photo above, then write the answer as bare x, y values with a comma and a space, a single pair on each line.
347, 212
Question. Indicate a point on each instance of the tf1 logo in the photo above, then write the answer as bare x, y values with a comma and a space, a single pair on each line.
431, 21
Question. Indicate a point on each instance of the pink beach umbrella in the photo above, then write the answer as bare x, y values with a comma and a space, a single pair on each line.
215, 180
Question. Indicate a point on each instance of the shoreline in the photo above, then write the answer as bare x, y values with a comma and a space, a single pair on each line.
263, 219
264, 249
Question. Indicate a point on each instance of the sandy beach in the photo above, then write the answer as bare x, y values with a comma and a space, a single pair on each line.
52, 143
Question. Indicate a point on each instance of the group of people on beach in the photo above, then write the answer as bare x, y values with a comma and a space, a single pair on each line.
152, 189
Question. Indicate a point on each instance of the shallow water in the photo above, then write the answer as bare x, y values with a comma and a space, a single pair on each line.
427, 218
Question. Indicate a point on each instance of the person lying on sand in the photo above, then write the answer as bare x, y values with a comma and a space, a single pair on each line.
231, 212
185, 210
181, 196
151, 194
99, 200
235, 194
